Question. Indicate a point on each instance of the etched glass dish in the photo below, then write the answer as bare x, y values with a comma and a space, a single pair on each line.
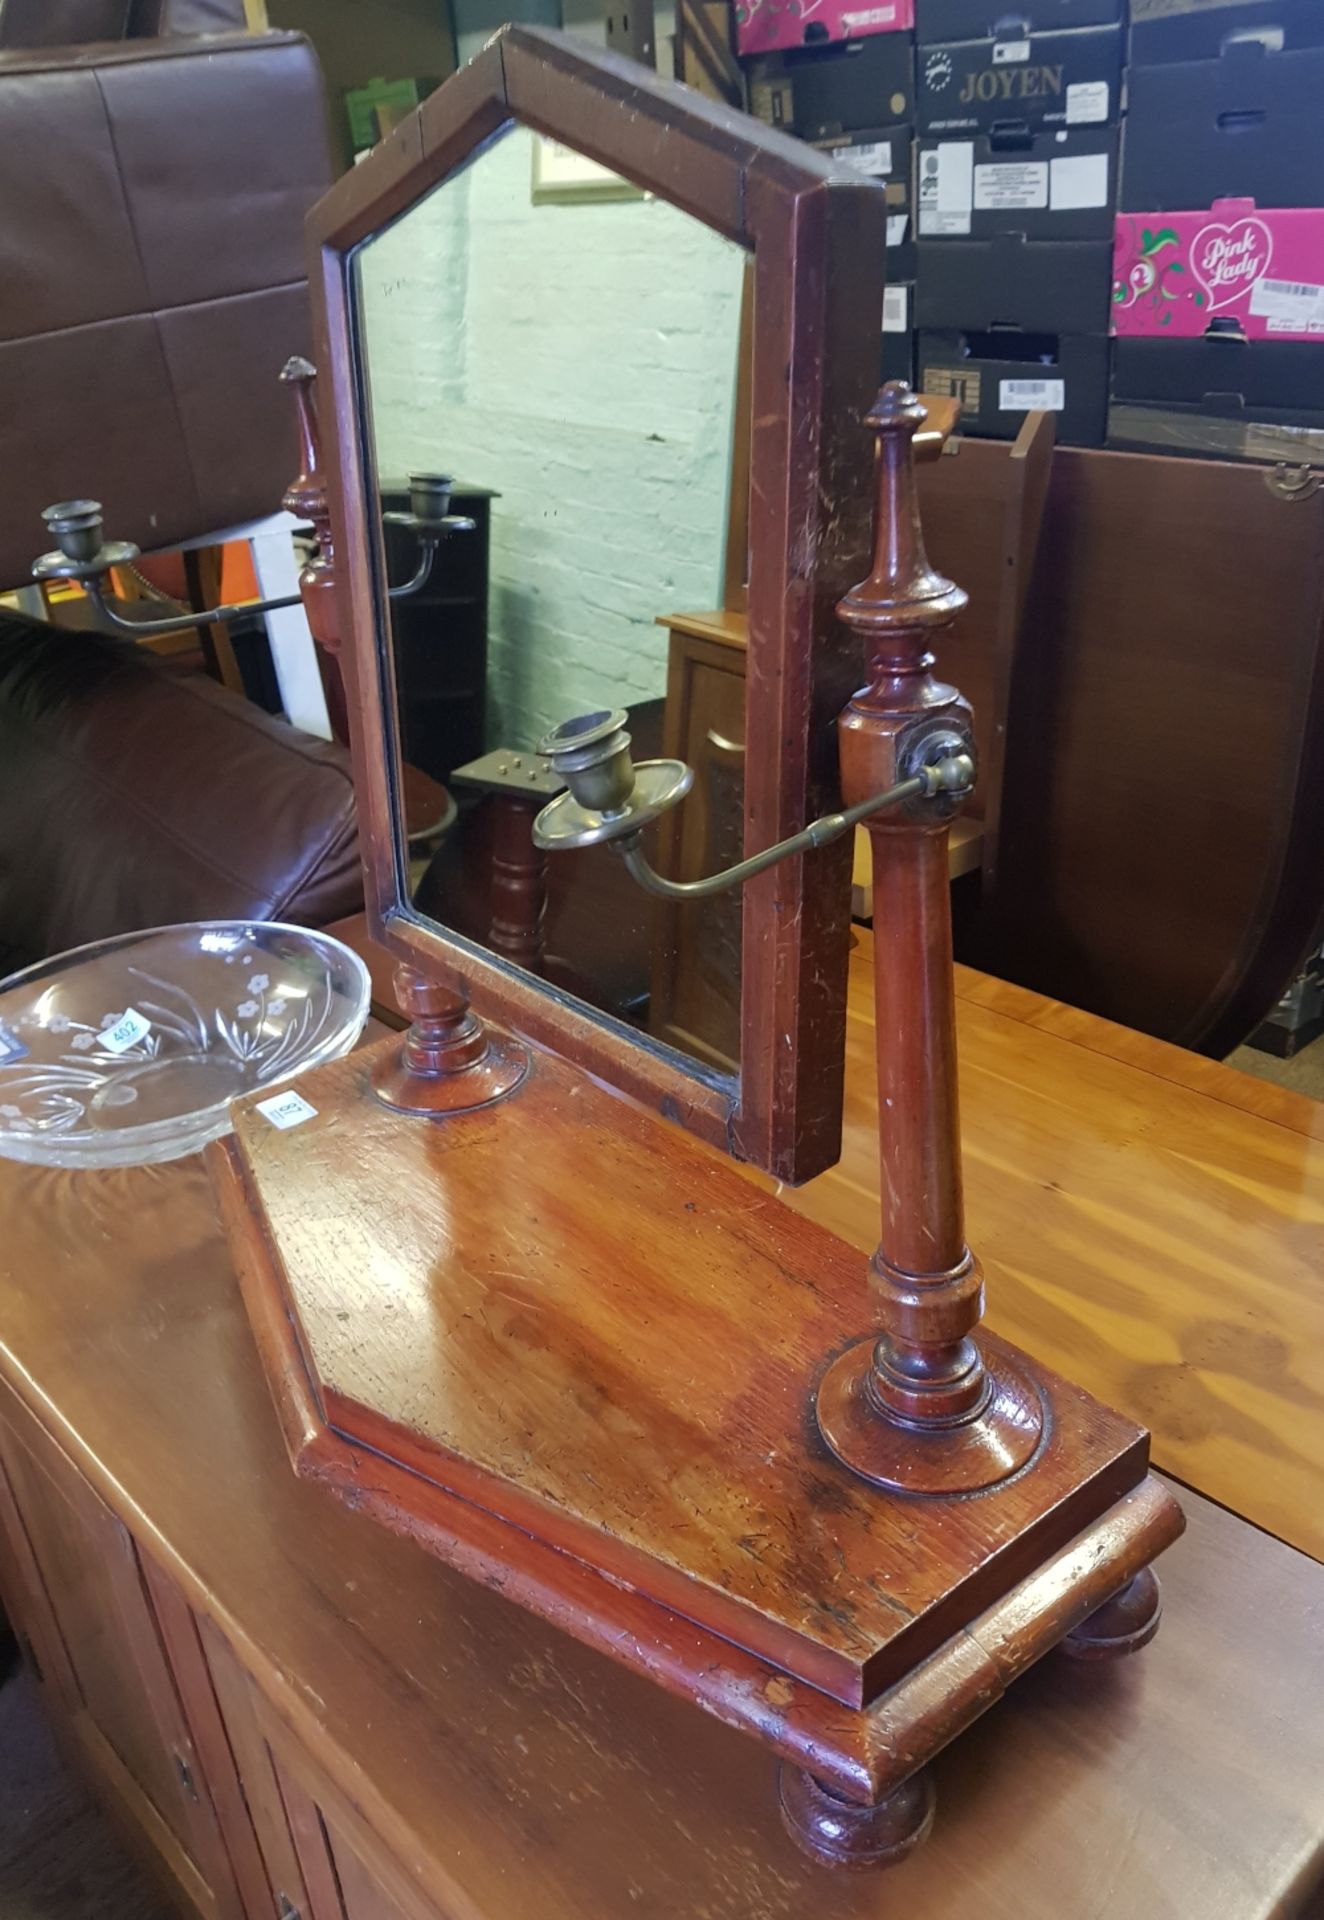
129, 1051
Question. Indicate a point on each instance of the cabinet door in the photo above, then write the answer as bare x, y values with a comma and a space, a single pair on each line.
91, 1621
341, 1885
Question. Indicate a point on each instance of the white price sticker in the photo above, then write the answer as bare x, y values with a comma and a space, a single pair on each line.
872, 156
288, 1109
896, 309
1009, 186
1292, 303
1011, 53
1087, 103
128, 1030
1031, 396
941, 226
946, 187
1078, 180
896, 228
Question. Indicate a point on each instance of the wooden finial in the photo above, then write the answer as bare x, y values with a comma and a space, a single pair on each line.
916, 1408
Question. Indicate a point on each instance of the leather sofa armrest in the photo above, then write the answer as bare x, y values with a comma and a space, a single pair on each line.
76, 23
131, 796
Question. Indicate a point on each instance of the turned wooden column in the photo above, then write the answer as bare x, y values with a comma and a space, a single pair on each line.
448, 1061
916, 1408
306, 499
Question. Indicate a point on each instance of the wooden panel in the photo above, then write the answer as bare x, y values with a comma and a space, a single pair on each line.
1165, 766
238, 1803
104, 1647
695, 1000
283, 1882
347, 1873
90, 1573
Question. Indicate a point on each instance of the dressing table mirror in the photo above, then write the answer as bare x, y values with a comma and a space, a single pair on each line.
587, 401
588, 396
545, 1329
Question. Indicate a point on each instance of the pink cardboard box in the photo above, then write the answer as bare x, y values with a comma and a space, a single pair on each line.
768, 26
1174, 273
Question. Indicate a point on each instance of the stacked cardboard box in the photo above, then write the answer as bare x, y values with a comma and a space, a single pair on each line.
846, 81
1218, 296
1017, 173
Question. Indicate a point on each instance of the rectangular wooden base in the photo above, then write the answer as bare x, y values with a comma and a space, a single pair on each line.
573, 1317
861, 1753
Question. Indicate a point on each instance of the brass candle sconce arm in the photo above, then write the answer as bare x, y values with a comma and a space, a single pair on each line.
610, 800
83, 554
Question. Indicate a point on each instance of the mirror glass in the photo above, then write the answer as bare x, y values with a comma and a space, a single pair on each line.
565, 349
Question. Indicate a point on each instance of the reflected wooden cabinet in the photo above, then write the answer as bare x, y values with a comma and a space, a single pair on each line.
695, 1000
151, 1701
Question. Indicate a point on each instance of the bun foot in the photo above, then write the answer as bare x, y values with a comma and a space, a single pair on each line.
1121, 1625
839, 1833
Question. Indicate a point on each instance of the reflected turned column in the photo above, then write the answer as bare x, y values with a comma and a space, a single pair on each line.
917, 1407
448, 1061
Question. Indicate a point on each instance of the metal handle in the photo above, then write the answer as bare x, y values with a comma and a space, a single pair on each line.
723, 745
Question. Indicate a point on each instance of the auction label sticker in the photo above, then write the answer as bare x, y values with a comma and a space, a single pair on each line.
288, 1109
128, 1030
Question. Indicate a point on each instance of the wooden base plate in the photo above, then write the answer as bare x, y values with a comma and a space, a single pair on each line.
575, 1317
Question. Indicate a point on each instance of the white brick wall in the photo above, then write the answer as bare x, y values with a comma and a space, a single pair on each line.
581, 360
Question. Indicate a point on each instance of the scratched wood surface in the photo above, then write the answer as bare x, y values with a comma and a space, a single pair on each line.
508, 1772
1151, 1224
590, 1324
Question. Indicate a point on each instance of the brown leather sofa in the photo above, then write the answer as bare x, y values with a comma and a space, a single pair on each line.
133, 796
152, 284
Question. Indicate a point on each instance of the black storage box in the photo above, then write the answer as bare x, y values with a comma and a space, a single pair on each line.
887, 155
1048, 186
1061, 79
1164, 30
1220, 395
898, 360
823, 92
1039, 286
937, 20
1248, 125
1000, 377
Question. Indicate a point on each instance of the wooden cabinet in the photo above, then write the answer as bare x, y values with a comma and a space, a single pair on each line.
695, 999
83, 1609
152, 1701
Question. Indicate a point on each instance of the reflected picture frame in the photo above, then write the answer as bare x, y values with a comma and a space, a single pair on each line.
816, 232
562, 175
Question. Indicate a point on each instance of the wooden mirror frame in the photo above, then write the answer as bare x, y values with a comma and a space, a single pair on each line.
817, 233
